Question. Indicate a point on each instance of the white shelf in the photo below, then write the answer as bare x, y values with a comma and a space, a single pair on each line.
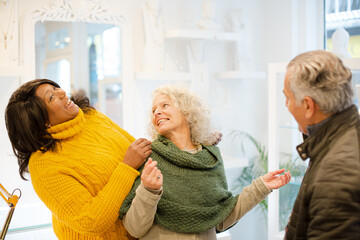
202, 35
241, 75
163, 76
234, 162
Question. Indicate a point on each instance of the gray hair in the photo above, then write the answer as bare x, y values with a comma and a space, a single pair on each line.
196, 113
322, 76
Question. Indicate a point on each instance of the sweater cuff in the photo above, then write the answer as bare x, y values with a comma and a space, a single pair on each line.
122, 180
153, 191
259, 182
265, 184
129, 170
148, 196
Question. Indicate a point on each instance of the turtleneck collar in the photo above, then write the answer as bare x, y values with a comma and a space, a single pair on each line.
312, 129
70, 128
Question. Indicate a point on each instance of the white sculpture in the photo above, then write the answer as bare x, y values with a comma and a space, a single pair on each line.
340, 40
153, 59
242, 54
208, 21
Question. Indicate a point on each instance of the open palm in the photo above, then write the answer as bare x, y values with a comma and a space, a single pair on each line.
274, 181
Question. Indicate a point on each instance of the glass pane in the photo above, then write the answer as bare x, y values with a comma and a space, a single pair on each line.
289, 138
343, 15
112, 53
111, 102
356, 81
59, 72
104, 56
58, 39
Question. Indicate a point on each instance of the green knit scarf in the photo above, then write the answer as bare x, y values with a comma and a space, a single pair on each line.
195, 195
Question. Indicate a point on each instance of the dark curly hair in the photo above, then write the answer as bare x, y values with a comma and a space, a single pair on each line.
26, 120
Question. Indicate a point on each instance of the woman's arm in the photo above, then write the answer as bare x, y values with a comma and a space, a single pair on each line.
247, 200
253, 194
75, 203
140, 216
66, 184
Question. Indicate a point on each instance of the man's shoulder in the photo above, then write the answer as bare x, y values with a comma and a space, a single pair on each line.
346, 144
342, 161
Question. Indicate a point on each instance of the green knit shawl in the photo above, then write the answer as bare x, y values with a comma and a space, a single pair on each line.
195, 192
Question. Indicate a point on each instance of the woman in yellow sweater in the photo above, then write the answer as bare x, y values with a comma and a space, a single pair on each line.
82, 165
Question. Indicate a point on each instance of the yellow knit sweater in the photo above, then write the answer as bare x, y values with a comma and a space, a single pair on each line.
84, 181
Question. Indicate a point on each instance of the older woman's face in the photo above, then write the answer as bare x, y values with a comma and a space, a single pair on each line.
167, 118
59, 106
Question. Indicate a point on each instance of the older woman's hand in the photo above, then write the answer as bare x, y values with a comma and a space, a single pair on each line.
274, 181
218, 137
137, 153
151, 176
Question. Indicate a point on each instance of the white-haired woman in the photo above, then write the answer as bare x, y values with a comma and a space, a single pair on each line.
182, 192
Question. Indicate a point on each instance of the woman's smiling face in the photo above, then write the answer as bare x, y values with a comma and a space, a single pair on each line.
167, 118
59, 106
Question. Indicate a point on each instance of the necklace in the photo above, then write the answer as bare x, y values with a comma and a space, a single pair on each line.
7, 35
193, 150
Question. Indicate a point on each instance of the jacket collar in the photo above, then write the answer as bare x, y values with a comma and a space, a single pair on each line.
337, 124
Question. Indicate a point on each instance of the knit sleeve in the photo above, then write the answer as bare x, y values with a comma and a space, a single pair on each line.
141, 214
75, 204
247, 200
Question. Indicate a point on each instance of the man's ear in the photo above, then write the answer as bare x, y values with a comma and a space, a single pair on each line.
310, 107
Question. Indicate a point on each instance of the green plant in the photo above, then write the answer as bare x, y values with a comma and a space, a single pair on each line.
258, 166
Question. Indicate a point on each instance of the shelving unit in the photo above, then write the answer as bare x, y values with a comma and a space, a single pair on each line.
200, 35
193, 34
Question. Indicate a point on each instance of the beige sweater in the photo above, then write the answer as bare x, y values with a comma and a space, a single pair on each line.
139, 220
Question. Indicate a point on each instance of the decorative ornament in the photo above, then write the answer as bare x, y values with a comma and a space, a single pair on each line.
8, 29
4, 2
77, 10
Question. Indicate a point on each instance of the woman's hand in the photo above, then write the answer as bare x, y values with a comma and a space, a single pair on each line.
151, 176
274, 181
218, 137
137, 153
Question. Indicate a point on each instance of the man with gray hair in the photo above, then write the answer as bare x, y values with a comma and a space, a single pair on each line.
319, 95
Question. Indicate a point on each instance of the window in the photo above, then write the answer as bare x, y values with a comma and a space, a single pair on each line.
342, 18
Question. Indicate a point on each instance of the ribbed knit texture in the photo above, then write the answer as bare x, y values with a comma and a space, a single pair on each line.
84, 182
195, 196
